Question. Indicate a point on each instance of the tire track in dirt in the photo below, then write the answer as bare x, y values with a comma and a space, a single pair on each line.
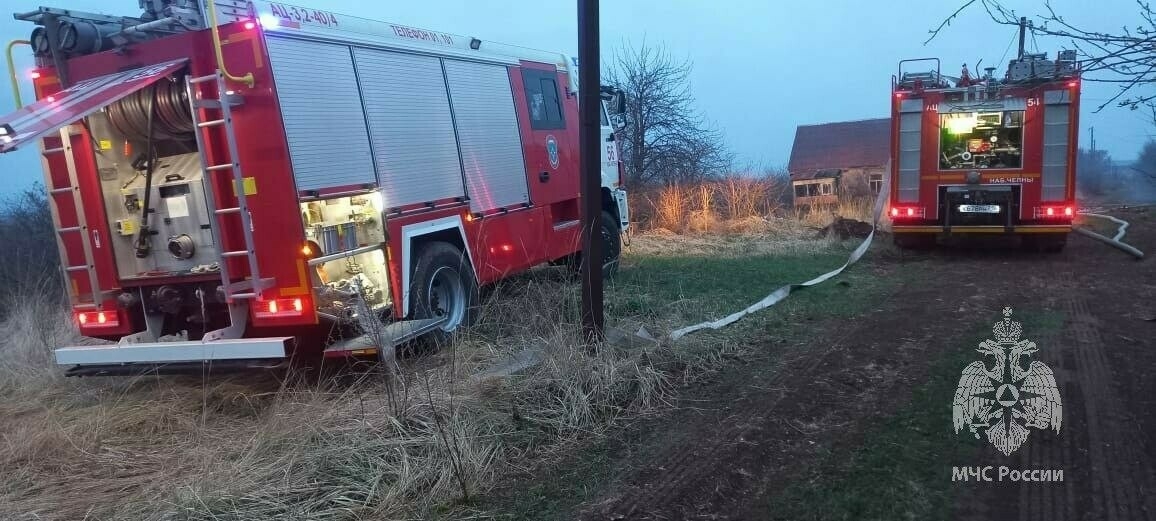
711, 475
688, 464
1121, 478
1053, 501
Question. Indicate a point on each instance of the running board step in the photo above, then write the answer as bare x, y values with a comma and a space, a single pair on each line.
393, 334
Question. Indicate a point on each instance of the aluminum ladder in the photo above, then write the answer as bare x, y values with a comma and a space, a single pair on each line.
81, 227
251, 287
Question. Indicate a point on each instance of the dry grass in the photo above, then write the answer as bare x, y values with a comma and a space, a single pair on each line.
351, 445
260, 447
819, 216
753, 236
735, 204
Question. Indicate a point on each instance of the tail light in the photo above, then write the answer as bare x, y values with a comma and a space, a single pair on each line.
282, 307
91, 319
908, 212
1054, 212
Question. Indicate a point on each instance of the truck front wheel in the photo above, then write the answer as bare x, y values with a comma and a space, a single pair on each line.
610, 233
443, 285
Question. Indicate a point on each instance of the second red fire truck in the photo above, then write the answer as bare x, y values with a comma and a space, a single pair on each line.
986, 155
244, 181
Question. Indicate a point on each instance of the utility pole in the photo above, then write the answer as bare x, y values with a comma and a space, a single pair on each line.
1093, 131
1023, 31
590, 153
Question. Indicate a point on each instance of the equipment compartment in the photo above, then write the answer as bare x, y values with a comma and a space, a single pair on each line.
346, 247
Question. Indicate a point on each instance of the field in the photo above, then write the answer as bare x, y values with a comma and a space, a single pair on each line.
834, 404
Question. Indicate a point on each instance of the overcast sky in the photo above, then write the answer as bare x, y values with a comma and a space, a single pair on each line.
760, 67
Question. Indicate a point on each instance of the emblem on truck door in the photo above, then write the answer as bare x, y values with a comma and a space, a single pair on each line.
552, 150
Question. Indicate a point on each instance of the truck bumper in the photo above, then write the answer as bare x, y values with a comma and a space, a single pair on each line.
152, 353
961, 230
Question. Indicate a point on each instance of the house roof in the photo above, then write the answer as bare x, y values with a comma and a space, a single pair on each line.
846, 144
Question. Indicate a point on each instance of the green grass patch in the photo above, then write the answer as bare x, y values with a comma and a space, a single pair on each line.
680, 290
902, 469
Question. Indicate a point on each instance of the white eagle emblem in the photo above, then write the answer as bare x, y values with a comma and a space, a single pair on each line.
1007, 398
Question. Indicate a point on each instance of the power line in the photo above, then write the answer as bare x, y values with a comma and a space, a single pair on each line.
1006, 51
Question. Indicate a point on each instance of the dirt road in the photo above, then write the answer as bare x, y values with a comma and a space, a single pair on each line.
829, 428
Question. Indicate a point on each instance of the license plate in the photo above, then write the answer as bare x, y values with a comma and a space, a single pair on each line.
979, 208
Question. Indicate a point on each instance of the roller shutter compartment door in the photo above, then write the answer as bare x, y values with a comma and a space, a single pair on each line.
321, 109
488, 138
410, 126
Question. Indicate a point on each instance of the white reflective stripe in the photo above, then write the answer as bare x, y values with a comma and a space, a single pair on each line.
164, 352
780, 294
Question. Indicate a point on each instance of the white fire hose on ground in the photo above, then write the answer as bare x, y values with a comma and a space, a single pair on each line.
1114, 241
781, 294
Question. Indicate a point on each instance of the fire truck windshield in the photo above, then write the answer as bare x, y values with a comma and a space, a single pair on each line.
971, 140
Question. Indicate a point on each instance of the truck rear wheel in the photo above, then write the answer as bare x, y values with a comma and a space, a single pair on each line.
443, 285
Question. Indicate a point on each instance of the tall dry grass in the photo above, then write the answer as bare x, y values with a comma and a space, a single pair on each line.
736, 203
270, 446
860, 209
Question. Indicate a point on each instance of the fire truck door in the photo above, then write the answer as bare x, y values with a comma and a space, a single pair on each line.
550, 134
76, 102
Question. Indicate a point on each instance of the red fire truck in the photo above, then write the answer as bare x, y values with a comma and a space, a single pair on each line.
986, 155
245, 181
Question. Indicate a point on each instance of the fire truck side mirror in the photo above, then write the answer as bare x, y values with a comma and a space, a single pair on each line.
617, 109
618, 102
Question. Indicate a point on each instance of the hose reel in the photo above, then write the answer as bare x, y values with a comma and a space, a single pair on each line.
173, 119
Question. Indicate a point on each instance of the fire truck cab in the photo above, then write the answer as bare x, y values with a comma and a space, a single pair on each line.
985, 155
246, 181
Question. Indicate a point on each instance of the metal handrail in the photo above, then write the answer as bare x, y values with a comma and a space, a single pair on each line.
247, 79
12, 70
344, 254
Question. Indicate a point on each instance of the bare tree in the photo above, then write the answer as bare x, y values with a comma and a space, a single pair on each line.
1126, 58
1146, 162
31, 258
665, 139
1094, 173
1143, 172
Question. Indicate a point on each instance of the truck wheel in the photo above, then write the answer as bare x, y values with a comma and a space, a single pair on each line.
611, 234
443, 285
